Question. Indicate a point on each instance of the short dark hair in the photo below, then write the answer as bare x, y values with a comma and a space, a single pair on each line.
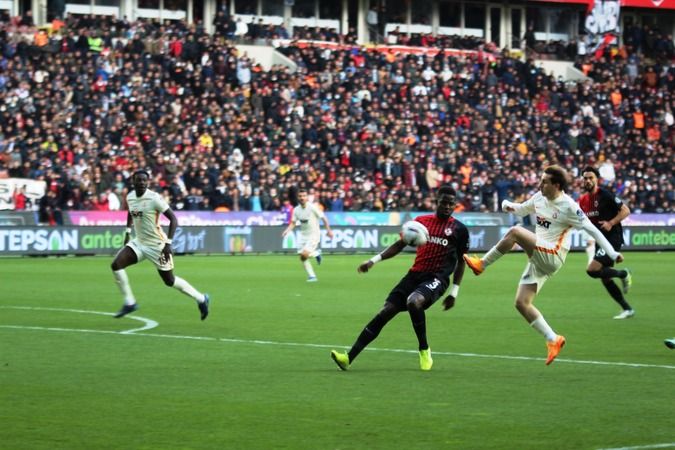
558, 176
140, 172
591, 169
446, 189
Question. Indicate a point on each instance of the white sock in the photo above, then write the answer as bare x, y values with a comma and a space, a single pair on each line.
308, 268
122, 281
491, 256
187, 289
590, 252
543, 327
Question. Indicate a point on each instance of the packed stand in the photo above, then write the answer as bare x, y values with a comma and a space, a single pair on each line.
363, 131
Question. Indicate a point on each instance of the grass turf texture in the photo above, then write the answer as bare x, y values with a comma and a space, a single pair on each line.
248, 385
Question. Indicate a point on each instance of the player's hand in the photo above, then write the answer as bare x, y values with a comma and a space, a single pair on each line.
167, 251
365, 266
506, 206
619, 258
605, 225
330, 234
448, 303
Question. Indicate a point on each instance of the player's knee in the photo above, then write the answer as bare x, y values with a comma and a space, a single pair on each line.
415, 302
593, 273
169, 281
115, 266
512, 232
521, 304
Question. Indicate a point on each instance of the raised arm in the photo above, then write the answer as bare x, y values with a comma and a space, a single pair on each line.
601, 240
389, 252
519, 209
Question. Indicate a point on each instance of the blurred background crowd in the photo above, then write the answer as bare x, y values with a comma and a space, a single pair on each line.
85, 105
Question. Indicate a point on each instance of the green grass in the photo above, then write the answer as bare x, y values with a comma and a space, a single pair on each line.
263, 378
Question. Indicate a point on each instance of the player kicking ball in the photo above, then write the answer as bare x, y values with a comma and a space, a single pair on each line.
150, 243
546, 248
424, 283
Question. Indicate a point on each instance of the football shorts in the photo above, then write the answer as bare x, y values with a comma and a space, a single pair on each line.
152, 253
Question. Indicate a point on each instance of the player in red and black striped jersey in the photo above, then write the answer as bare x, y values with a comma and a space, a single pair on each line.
606, 211
425, 282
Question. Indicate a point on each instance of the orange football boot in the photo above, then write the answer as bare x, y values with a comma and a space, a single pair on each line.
554, 348
474, 263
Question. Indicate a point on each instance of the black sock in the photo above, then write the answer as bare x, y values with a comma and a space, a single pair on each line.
419, 323
608, 272
616, 293
368, 335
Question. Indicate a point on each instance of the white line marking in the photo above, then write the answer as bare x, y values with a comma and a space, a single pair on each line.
640, 447
149, 323
309, 345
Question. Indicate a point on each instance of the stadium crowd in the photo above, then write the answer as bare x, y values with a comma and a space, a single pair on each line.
84, 107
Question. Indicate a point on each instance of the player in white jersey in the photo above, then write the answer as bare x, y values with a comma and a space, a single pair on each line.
151, 243
556, 214
308, 216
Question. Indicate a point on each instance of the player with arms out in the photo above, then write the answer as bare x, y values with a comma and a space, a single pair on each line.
150, 243
606, 211
308, 216
546, 248
424, 283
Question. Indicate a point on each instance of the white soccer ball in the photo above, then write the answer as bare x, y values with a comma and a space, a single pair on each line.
414, 233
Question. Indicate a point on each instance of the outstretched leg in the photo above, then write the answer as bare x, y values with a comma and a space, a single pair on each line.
186, 288
597, 270
526, 239
125, 258
367, 335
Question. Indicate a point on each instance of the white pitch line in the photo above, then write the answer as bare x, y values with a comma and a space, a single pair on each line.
309, 345
149, 323
642, 447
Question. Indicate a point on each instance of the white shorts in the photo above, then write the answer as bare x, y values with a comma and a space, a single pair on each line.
542, 266
151, 253
309, 245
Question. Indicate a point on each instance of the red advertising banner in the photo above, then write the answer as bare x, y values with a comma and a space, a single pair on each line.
660, 4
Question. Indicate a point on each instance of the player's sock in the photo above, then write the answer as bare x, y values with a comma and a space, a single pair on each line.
616, 293
608, 272
590, 252
544, 328
491, 256
187, 289
368, 335
122, 281
419, 323
308, 268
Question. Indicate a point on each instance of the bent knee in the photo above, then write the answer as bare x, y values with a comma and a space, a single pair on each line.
593, 273
415, 302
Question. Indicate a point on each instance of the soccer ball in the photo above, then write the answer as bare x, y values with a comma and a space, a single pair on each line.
414, 233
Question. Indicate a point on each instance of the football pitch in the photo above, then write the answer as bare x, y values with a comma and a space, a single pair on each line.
257, 373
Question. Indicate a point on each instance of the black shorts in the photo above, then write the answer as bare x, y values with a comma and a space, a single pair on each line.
427, 284
600, 255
